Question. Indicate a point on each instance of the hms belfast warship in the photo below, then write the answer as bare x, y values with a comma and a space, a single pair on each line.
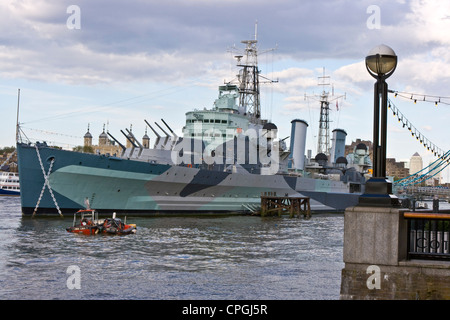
227, 157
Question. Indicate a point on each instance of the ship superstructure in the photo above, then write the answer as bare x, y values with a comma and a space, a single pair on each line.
238, 106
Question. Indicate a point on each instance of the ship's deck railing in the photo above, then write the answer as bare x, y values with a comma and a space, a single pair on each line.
428, 235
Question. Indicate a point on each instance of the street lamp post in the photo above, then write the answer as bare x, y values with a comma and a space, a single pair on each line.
380, 63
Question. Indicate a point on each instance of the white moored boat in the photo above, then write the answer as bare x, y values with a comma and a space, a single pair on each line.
9, 184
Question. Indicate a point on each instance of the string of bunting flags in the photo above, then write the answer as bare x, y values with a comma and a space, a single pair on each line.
421, 97
52, 133
430, 146
443, 160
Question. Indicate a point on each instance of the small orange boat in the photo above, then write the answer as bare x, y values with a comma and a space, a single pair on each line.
86, 222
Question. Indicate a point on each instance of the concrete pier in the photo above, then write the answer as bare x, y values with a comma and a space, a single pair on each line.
376, 264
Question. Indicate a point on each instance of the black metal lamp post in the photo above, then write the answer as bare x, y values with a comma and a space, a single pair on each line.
380, 63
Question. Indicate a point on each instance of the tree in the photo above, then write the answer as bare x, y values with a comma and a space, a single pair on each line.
7, 150
84, 149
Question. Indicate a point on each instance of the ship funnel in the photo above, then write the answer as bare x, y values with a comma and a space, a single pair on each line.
338, 145
298, 144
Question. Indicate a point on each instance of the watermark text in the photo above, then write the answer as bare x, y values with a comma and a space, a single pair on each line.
74, 20
374, 20
74, 279
374, 280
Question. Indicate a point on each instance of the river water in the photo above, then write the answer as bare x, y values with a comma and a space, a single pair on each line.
172, 258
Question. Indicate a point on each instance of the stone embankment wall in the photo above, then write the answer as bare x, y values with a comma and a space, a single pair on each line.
375, 260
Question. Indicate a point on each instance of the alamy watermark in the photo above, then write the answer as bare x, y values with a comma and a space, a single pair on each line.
74, 20
74, 279
374, 20
374, 280
252, 147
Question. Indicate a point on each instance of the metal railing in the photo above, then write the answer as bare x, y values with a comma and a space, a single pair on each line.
428, 235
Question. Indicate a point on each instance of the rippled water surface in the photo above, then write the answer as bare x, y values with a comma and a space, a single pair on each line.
233, 257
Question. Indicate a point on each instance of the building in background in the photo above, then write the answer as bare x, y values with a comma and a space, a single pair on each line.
395, 169
108, 146
435, 176
105, 146
415, 163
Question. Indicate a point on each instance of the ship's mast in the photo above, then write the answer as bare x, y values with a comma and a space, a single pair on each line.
17, 120
323, 145
324, 141
248, 78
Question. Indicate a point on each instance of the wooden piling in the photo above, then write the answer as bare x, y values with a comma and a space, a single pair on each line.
271, 204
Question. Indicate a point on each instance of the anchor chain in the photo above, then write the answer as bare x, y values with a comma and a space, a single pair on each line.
46, 183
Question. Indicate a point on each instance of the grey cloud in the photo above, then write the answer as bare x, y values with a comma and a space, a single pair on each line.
138, 39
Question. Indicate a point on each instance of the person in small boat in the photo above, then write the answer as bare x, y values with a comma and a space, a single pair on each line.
112, 225
86, 222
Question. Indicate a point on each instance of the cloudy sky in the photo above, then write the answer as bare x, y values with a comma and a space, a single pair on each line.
117, 63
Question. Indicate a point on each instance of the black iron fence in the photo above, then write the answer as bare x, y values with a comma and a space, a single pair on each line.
428, 235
